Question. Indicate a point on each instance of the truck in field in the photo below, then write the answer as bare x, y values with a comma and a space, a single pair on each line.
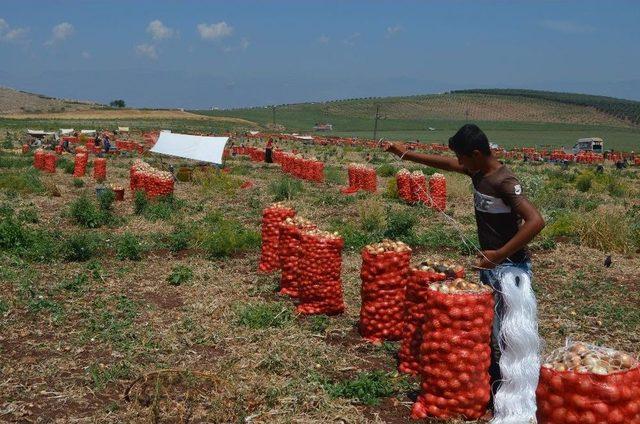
589, 144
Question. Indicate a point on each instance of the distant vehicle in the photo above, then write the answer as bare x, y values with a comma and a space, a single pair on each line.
589, 144
323, 127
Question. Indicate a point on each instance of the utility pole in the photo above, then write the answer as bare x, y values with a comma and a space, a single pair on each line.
375, 124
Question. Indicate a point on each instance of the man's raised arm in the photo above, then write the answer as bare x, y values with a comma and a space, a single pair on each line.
437, 161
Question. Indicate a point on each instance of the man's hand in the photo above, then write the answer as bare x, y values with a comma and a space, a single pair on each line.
489, 259
397, 149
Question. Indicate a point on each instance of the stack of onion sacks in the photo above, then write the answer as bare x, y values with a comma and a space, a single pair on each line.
100, 169
368, 178
319, 265
438, 191
38, 159
384, 271
50, 159
419, 187
80, 164
418, 281
403, 182
455, 353
587, 384
289, 252
272, 217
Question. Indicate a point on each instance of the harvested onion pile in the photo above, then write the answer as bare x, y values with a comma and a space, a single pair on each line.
438, 191
581, 383
460, 286
320, 264
384, 277
50, 159
272, 217
582, 358
448, 268
38, 159
80, 164
289, 252
419, 187
153, 181
403, 182
100, 169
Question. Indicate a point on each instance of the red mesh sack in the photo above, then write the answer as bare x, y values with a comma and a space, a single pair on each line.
272, 216
403, 182
80, 164
50, 162
384, 271
319, 265
58, 149
419, 187
418, 281
586, 384
455, 353
25, 149
90, 146
438, 191
100, 169
368, 180
352, 172
38, 159
289, 252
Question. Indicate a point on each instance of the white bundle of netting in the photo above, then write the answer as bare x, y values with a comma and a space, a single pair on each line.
515, 400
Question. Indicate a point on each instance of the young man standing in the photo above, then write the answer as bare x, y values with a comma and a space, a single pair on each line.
505, 218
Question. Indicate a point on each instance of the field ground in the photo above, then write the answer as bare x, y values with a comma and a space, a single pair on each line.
90, 301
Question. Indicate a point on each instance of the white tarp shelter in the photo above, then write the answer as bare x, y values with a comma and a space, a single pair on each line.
39, 133
88, 132
196, 147
123, 129
303, 137
66, 131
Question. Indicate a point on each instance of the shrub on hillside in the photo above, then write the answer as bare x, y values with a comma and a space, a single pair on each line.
80, 247
128, 247
285, 188
84, 212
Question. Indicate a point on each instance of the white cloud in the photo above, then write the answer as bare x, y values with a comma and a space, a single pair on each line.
60, 32
351, 40
566, 27
214, 31
159, 31
323, 39
147, 50
86, 55
394, 30
244, 43
11, 34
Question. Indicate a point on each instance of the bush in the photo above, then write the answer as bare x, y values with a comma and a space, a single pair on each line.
13, 235
387, 170
583, 181
80, 247
285, 188
77, 183
400, 225
372, 214
608, 229
353, 237
106, 199
140, 201
562, 224
66, 165
128, 247
180, 238
213, 181
180, 274
161, 208
228, 237
84, 212
367, 387
28, 215
264, 315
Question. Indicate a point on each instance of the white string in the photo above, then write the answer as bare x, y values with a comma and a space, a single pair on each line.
519, 344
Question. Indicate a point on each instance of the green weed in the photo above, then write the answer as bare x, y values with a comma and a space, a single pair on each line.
264, 315
129, 247
367, 387
180, 274
285, 188
103, 374
80, 247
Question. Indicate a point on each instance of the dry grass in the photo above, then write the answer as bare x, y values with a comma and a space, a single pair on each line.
125, 114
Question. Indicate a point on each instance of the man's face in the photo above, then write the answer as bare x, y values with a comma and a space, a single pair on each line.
469, 162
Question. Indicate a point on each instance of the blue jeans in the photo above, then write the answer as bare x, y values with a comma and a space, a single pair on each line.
491, 277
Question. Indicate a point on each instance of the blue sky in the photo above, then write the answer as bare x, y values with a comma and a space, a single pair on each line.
198, 54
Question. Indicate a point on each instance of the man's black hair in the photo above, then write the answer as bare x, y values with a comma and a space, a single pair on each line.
469, 138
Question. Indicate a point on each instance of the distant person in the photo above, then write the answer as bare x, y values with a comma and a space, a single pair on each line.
106, 143
268, 151
96, 141
599, 169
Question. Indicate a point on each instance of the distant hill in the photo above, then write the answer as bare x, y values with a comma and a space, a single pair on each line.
413, 112
15, 101
620, 108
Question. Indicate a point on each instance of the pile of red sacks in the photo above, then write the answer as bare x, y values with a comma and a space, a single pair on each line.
100, 169
438, 191
455, 353
50, 159
419, 188
413, 187
272, 217
289, 252
418, 281
38, 159
384, 272
361, 177
80, 164
581, 383
319, 266
153, 182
